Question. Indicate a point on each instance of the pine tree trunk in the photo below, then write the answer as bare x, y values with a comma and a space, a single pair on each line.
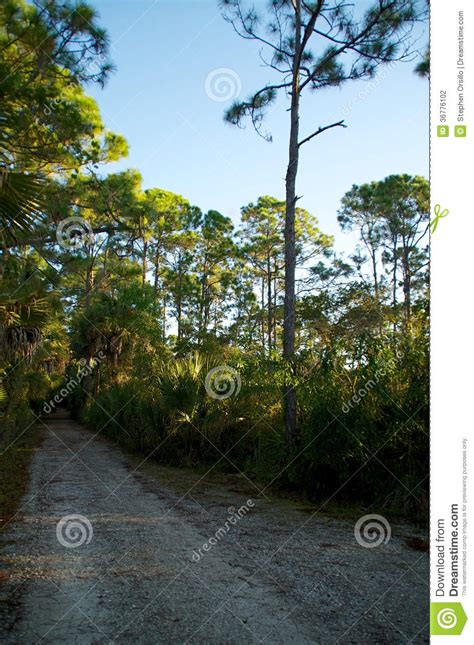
269, 304
144, 264
394, 286
406, 285
159, 305
179, 315
290, 240
275, 310
374, 273
156, 273
89, 284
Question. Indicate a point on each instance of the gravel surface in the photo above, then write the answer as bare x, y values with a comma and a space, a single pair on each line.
280, 574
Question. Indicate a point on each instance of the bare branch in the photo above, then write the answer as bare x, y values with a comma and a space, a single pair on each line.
322, 129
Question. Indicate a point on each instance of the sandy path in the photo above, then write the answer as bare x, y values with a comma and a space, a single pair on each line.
278, 575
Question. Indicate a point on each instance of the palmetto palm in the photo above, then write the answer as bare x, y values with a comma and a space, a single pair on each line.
21, 200
22, 193
181, 386
21, 320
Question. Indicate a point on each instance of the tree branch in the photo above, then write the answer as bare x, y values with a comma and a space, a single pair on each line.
319, 130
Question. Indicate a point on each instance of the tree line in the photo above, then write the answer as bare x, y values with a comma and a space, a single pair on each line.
324, 355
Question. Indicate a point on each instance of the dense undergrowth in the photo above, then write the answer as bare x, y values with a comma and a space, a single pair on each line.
362, 432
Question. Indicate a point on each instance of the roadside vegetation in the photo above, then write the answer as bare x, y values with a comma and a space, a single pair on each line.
170, 322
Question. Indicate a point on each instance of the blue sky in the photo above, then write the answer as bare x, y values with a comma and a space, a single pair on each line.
165, 50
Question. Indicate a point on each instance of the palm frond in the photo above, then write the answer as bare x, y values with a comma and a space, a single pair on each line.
22, 200
23, 311
3, 393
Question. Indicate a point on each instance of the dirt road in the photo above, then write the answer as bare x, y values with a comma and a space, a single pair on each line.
147, 563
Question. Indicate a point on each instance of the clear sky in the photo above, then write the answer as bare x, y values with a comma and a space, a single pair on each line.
165, 50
